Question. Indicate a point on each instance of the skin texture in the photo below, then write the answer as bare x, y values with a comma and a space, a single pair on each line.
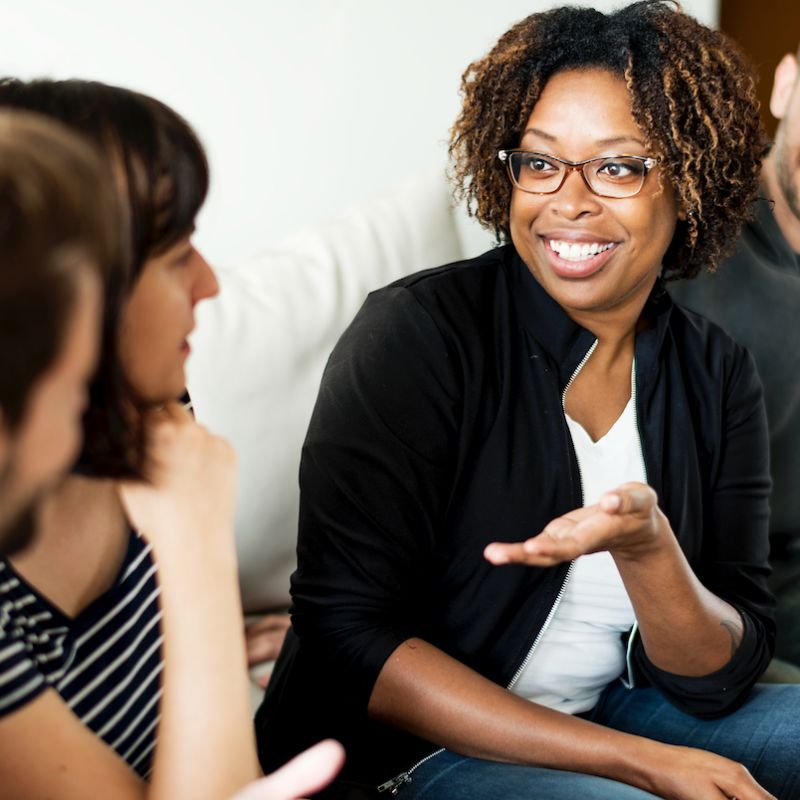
781, 171
640, 227
38, 452
158, 318
424, 691
307, 773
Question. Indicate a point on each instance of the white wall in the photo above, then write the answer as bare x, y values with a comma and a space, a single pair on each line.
304, 107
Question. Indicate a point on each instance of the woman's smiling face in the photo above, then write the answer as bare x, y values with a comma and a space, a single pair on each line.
590, 253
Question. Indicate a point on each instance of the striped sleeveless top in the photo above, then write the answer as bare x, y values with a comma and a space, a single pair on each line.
105, 663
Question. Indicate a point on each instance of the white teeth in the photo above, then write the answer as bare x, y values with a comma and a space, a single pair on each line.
578, 252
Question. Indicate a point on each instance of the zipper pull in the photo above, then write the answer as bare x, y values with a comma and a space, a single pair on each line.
393, 786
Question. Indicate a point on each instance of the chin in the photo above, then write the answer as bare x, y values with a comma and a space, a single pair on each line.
163, 391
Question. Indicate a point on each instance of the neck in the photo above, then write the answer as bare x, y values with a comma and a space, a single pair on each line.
785, 215
78, 504
616, 328
79, 546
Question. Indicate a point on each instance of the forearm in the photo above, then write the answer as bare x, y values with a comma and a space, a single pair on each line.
429, 694
206, 745
685, 628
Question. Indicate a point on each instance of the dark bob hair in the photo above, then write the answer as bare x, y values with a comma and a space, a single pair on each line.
692, 94
161, 176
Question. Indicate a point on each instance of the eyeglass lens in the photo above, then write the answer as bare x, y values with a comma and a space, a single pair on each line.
616, 176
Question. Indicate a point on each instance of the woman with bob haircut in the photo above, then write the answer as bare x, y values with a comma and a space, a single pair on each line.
129, 678
534, 492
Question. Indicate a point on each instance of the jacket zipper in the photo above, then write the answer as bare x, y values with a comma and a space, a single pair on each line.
561, 591
393, 785
630, 682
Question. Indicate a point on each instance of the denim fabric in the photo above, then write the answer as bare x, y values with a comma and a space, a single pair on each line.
452, 777
764, 735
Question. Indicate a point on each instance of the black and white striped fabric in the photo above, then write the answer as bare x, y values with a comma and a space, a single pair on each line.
105, 663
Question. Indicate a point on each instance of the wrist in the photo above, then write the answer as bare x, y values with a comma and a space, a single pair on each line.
194, 548
645, 762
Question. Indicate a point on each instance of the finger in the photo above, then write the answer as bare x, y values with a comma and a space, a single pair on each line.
263, 679
532, 552
631, 498
264, 646
268, 622
302, 776
746, 788
743, 786
176, 412
506, 553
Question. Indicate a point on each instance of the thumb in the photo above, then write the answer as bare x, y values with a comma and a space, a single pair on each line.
630, 498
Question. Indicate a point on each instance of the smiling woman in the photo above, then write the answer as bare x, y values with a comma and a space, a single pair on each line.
534, 492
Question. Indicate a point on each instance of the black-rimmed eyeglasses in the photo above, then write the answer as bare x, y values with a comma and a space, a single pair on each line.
607, 176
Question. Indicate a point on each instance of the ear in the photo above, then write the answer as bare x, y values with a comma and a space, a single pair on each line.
783, 85
682, 215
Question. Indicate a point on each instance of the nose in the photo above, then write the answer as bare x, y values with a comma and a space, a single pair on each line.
575, 199
205, 283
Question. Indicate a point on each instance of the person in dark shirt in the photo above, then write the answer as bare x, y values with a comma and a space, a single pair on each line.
530, 474
755, 296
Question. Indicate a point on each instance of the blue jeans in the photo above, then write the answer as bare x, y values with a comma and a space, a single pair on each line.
764, 735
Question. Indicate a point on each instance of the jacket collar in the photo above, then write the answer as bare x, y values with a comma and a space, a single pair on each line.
563, 339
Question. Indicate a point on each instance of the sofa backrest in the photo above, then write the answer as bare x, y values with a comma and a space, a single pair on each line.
260, 347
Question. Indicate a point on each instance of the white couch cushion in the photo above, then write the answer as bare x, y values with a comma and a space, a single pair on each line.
260, 348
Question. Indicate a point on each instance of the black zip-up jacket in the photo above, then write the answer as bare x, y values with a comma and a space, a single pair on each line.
439, 428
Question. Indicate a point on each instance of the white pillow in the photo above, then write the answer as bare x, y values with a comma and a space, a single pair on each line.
260, 347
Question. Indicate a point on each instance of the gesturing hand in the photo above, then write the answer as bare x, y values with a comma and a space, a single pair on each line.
307, 773
626, 521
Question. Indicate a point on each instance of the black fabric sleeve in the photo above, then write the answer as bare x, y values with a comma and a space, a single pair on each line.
374, 479
734, 558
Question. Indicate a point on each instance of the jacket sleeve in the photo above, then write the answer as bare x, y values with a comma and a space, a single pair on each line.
374, 476
733, 556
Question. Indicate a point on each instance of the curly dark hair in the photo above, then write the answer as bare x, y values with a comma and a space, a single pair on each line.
692, 94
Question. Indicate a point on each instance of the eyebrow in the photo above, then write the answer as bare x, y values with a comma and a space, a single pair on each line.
602, 142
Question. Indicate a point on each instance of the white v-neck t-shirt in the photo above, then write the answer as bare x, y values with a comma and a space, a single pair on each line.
581, 651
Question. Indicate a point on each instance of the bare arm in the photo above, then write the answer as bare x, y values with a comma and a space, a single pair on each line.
206, 745
205, 748
696, 633
429, 694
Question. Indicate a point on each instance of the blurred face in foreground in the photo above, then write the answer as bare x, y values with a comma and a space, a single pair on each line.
37, 452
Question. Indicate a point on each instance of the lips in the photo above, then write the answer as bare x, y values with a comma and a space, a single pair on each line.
577, 257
